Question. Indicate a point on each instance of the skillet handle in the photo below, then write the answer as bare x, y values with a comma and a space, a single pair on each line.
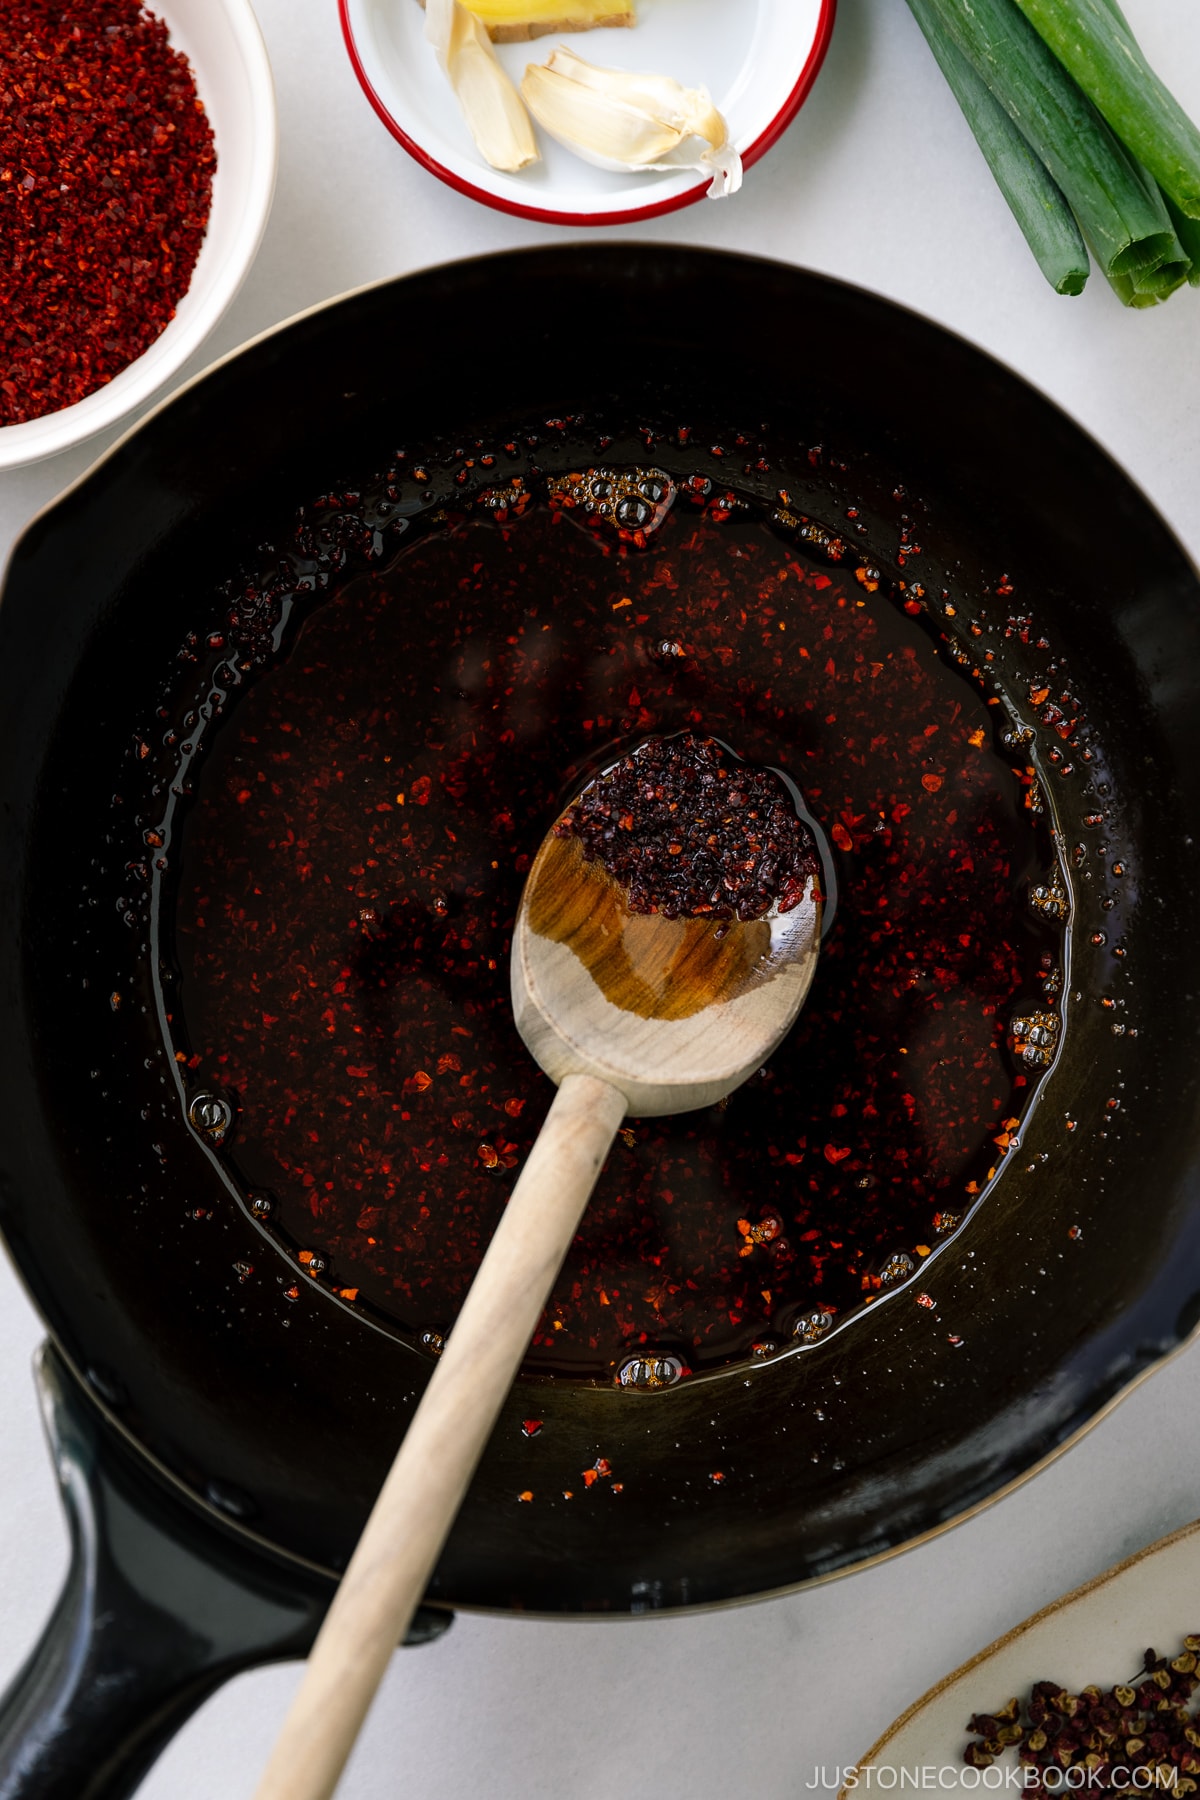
160, 1607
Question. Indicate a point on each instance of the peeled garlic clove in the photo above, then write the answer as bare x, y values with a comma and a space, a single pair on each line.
688, 109
490, 103
627, 121
597, 127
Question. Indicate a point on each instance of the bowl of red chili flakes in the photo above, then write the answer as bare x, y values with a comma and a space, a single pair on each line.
137, 167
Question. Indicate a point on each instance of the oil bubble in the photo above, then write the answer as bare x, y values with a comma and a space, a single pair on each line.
652, 1371
811, 1326
211, 1115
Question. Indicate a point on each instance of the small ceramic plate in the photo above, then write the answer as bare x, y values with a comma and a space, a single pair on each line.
1096, 1634
758, 59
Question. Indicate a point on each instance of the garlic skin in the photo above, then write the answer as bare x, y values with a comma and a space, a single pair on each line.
624, 121
490, 103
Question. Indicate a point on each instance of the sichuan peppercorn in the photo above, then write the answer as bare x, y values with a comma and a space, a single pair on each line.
690, 830
1110, 1735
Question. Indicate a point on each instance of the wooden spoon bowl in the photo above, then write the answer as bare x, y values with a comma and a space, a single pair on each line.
673, 1013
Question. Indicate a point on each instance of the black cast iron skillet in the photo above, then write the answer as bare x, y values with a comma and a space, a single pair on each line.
253, 1435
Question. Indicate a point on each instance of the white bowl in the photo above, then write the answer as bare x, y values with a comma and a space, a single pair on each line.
233, 77
758, 59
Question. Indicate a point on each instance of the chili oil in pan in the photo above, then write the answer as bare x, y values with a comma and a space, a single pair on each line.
334, 924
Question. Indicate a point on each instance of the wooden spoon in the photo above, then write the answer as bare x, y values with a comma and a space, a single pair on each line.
627, 1013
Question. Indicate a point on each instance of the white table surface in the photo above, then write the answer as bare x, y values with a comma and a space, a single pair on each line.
879, 182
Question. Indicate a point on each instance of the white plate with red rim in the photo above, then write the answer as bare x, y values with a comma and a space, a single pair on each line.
757, 58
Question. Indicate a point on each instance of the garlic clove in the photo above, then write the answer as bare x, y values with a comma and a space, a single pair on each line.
622, 121
599, 128
688, 109
490, 103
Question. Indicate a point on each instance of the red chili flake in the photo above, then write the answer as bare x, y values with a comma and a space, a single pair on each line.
396, 1147
602, 1466
717, 1476
841, 837
106, 167
420, 790
926, 1300
618, 1487
530, 1427
527, 1495
931, 783
589, 1476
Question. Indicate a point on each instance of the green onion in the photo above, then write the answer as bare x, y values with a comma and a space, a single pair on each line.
1094, 44
1125, 223
1188, 232
1114, 12
1160, 285
1036, 201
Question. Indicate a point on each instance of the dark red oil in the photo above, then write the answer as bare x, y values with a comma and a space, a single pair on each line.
351, 866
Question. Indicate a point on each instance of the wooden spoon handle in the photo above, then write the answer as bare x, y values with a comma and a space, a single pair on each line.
417, 1504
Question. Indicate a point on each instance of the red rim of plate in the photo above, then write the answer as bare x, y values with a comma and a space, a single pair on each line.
762, 143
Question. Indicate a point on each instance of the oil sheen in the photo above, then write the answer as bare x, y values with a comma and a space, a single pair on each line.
363, 824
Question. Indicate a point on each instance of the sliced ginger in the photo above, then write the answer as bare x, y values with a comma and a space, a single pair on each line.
515, 21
